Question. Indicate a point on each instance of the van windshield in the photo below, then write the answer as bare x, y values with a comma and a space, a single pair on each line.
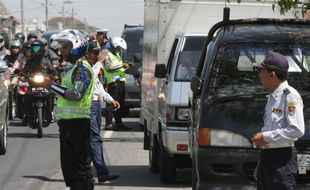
233, 73
188, 58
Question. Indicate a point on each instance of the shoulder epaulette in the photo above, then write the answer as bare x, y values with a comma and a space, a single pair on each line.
286, 91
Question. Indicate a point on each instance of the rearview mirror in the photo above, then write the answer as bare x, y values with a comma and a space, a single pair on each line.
160, 71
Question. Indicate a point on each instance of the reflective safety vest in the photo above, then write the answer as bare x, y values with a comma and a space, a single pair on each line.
67, 109
117, 75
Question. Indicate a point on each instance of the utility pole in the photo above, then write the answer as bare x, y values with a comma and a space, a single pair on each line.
22, 14
63, 16
72, 18
46, 14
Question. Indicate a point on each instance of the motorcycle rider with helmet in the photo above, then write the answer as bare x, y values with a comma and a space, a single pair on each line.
3, 51
31, 37
114, 72
20, 36
34, 65
73, 110
16, 60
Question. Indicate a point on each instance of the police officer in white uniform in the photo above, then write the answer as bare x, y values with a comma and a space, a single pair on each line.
283, 124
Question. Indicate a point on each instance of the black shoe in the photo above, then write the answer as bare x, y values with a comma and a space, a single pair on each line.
109, 127
108, 177
123, 127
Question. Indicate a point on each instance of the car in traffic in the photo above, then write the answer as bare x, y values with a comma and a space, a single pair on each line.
133, 35
4, 94
228, 101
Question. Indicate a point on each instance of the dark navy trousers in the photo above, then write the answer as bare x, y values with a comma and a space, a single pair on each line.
277, 169
96, 150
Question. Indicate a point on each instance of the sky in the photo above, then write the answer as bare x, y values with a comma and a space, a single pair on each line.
110, 14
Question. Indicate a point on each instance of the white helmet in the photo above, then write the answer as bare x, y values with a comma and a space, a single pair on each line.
118, 41
77, 38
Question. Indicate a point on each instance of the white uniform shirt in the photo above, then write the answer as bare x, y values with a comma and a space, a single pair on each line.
98, 87
283, 119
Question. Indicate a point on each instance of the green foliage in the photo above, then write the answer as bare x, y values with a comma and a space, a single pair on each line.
285, 6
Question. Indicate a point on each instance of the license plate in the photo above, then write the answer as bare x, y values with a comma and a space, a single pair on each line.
303, 163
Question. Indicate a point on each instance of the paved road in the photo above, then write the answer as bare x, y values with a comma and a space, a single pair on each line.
32, 163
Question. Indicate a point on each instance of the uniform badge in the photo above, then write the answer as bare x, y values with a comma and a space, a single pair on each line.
276, 110
291, 109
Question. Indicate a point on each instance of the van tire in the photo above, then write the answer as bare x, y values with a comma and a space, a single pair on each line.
167, 167
154, 157
194, 176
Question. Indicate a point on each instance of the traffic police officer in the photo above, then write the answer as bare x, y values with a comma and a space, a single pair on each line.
114, 72
73, 111
94, 56
283, 124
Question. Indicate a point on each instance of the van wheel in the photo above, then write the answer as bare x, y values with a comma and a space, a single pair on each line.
167, 167
154, 157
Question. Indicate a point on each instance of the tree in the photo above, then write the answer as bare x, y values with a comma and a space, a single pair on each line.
286, 6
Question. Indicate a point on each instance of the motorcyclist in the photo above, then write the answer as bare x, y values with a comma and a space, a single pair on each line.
16, 60
20, 36
3, 50
32, 37
34, 65
50, 58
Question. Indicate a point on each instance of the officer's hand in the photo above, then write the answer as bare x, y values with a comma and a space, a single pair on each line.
102, 55
115, 105
258, 140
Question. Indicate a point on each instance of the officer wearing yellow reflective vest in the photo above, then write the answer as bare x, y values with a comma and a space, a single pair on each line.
114, 71
73, 110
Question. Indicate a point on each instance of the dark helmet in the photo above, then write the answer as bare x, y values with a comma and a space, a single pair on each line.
32, 35
20, 36
37, 48
27, 49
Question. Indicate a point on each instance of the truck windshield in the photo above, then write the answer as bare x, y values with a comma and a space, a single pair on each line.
233, 73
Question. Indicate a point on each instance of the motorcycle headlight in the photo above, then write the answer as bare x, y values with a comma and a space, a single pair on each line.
38, 78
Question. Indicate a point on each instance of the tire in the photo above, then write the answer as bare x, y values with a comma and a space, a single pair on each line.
40, 123
167, 167
3, 138
154, 157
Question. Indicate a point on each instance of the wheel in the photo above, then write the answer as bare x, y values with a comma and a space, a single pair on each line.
167, 166
3, 137
154, 157
40, 123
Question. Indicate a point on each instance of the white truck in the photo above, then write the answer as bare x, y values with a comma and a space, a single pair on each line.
164, 98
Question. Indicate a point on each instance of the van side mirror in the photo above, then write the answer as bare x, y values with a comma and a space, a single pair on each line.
160, 71
196, 85
137, 58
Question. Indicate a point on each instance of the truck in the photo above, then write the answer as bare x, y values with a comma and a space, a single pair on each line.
163, 113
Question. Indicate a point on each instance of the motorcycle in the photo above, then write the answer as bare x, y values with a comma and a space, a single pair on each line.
39, 101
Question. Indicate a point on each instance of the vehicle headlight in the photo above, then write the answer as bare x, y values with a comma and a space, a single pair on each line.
38, 78
182, 113
221, 138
